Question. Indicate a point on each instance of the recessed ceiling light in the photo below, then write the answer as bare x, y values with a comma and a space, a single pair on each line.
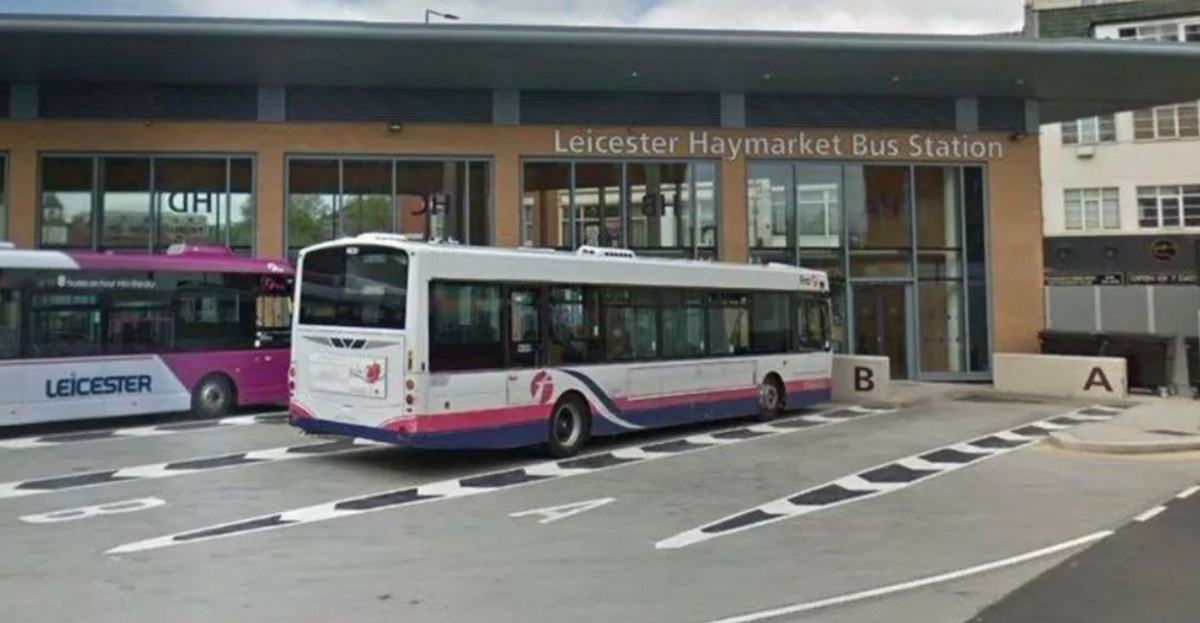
768, 76
895, 78
633, 74
1020, 81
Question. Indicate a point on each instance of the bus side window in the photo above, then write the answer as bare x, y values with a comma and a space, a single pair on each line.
574, 326
10, 323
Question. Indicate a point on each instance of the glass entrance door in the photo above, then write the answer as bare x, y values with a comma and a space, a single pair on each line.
882, 314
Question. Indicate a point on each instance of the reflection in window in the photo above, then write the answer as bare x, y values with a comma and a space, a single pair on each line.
312, 199
366, 196
125, 203
546, 204
241, 203
146, 203
728, 324
3, 198
683, 325
769, 200
66, 207
10, 321
657, 208
878, 220
597, 215
190, 200
139, 325
660, 205
329, 198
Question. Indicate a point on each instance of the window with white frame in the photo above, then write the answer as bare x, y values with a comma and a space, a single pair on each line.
1086, 209
820, 210
1161, 31
1168, 206
1164, 122
1101, 129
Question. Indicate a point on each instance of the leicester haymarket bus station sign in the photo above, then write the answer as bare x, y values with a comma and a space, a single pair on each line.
708, 144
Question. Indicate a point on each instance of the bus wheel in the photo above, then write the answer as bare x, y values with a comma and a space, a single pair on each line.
213, 396
771, 399
570, 427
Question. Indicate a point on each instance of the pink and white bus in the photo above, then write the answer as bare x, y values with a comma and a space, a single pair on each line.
449, 346
90, 335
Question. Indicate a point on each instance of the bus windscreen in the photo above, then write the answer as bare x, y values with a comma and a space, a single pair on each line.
354, 286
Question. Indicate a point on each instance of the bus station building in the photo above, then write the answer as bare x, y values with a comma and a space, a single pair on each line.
906, 166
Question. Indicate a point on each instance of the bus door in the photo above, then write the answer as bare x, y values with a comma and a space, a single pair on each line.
525, 345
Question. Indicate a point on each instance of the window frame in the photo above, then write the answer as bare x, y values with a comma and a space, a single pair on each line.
1148, 123
1095, 198
1158, 195
1096, 130
96, 192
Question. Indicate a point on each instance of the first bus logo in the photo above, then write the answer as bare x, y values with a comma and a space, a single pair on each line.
541, 388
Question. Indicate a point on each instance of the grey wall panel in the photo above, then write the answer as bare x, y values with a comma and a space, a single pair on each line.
311, 103
5, 104
624, 109
1072, 308
272, 103
834, 111
1002, 115
114, 101
1124, 308
1175, 309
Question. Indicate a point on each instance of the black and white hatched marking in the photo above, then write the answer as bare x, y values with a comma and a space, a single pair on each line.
888, 477
40, 486
505, 479
134, 432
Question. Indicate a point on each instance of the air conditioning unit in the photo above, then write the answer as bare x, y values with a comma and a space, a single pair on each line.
1085, 151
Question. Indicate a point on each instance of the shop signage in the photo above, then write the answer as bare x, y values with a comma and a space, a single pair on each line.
1101, 279
709, 144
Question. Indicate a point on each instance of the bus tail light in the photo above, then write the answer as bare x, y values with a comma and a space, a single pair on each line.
410, 385
409, 399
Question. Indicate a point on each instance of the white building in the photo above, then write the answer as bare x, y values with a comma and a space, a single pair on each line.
1131, 173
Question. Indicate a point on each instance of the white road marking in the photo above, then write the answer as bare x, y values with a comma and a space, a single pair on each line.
134, 432
844, 600
486, 482
1187, 493
84, 512
863, 485
551, 514
1150, 514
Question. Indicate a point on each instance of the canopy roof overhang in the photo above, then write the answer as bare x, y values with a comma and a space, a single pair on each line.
1069, 77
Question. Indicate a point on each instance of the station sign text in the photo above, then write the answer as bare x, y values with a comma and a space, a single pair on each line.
707, 144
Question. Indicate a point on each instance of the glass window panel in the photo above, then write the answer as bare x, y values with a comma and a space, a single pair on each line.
942, 326
877, 207
819, 206
546, 205
241, 203
770, 323
1108, 128
771, 204
1148, 212
447, 206
190, 199
478, 204
598, 204
978, 305
1143, 124
659, 206
1073, 209
1070, 132
1164, 122
683, 327
366, 197
1169, 208
728, 324
1191, 206
10, 318
312, 202
125, 203
3, 198
939, 223
464, 327
939, 264
1089, 130
707, 204
426, 196
66, 202
1110, 208
1188, 116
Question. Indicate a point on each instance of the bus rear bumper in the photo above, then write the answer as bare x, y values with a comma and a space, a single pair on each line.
503, 437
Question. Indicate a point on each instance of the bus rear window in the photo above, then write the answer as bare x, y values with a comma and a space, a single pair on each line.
354, 286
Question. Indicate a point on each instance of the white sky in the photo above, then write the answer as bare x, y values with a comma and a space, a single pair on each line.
901, 16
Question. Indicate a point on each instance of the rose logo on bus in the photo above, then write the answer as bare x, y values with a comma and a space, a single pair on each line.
371, 373
541, 388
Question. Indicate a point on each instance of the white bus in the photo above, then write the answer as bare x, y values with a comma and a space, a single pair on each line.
449, 346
